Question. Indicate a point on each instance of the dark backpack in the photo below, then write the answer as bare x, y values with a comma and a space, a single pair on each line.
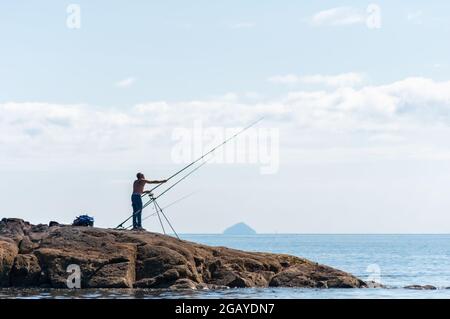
83, 220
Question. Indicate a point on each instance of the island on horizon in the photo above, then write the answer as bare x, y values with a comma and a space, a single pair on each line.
239, 229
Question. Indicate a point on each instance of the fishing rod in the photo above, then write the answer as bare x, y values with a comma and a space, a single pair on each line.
178, 200
167, 206
190, 165
158, 208
152, 199
181, 179
209, 152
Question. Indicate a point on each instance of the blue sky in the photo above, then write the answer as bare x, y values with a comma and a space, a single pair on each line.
190, 50
363, 113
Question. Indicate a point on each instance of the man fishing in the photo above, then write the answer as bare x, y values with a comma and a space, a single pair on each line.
139, 184
136, 198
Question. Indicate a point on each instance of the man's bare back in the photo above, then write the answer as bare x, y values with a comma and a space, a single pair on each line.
138, 186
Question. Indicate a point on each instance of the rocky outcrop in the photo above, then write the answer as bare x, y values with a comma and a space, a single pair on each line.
39, 256
419, 287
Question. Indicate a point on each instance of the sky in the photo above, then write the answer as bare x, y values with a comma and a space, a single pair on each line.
355, 98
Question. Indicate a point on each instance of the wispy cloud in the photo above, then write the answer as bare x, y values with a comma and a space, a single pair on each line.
339, 16
125, 83
339, 80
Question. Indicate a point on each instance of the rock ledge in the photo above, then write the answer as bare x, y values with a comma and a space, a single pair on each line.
39, 255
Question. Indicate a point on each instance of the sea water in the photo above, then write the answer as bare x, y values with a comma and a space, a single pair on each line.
394, 260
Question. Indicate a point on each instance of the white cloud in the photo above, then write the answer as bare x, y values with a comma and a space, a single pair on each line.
338, 80
414, 113
387, 138
229, 97
125, 83
345, 79
339, 16
252, 95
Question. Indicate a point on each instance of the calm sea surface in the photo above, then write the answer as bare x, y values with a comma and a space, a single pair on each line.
395, 260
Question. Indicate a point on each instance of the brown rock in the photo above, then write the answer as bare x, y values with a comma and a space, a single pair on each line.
116, 275
305, 273
419, 287
145, 283
26, 246
292, 278
13, 228
185, 284
26, 271
8, 252
40, 255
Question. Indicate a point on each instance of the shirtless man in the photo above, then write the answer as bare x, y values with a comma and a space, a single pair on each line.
136, 198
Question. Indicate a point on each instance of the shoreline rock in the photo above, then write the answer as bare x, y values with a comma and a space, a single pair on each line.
38, 256
420, 287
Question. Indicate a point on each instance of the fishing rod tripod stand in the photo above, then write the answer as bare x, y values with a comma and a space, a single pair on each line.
159, 211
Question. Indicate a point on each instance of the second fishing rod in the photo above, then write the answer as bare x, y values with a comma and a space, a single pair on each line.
187, 167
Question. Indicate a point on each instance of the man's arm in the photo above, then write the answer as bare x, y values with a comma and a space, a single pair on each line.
156, 182
153, 182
